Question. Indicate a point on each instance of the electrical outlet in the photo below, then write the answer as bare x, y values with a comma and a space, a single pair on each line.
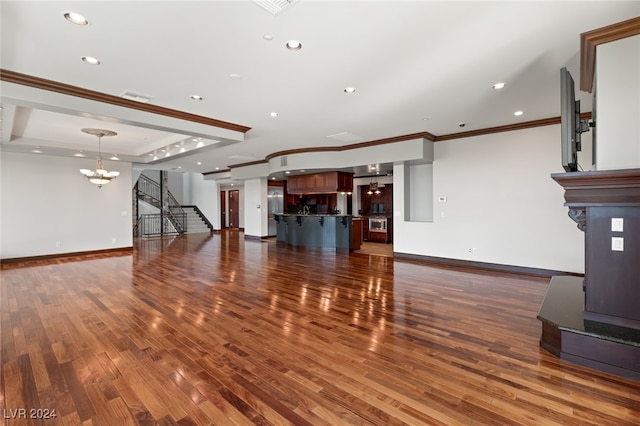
617, 244
617, 224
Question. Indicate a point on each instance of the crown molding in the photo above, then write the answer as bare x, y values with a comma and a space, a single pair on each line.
67, 89
592, 39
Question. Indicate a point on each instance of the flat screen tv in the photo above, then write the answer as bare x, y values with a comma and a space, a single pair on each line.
571, 127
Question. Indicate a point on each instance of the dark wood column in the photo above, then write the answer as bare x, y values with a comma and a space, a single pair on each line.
596, 321
606, 206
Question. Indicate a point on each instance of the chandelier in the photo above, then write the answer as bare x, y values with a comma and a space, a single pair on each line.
100, 176
373, 188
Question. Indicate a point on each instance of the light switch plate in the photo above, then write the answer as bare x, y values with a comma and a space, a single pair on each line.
617, 244
617, 224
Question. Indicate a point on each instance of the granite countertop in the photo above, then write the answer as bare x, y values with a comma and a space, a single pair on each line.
313, 215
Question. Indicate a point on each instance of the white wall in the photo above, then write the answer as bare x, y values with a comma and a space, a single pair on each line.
420, 191
204, 194
175, 182
618, 104
256, 208
48, 207
502, 204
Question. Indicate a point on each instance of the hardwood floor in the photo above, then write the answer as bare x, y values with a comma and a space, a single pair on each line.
213, 329
379, 249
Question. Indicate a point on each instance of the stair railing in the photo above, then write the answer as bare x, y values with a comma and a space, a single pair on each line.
150, 191
150, 225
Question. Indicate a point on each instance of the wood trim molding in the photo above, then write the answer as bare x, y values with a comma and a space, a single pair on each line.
67, 89
216, 171
425, 135
591, 39
507, 128
600, 187
250, 163
499, 129
17, 262
477, 266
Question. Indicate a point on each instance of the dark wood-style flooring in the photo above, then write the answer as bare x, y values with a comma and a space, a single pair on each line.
213, 329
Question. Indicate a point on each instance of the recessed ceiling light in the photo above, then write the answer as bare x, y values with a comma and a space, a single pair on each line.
235, 76
349, 89
273, 178
75, 18
114, 157
79, 154
301, 170
273, 114
90, 60
294, 45
518, 113
197, 97
267, 37
498, 86
199, 163
287, 172
217, 168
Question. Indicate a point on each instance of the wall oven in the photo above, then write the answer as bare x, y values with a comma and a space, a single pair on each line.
377, 224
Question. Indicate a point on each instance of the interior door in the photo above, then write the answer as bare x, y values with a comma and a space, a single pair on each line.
234, 214
223, 209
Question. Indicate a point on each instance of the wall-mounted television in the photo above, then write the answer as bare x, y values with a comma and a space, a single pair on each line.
571, 127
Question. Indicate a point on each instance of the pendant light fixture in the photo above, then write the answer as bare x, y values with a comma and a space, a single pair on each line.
373, 188
100, 176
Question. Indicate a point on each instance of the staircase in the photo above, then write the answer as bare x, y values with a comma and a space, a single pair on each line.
175, 219
195, 221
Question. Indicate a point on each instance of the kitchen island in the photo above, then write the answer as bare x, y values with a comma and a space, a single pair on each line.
327, 231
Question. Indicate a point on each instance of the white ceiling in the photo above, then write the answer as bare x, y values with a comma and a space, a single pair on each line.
417, 66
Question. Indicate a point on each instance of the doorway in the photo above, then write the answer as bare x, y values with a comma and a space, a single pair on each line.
223, 209
234, 209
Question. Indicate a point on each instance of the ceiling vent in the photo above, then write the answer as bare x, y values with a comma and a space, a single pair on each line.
283, 161
241, 157
138, 97
346, 137
275, 7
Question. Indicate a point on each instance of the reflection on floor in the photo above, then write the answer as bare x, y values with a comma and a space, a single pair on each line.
378, 249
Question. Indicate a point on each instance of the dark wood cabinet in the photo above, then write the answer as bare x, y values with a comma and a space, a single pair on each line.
356, 233
380, 230
365, 229
377, 204
320, 183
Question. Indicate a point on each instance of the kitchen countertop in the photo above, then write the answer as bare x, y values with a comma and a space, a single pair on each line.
312, 215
